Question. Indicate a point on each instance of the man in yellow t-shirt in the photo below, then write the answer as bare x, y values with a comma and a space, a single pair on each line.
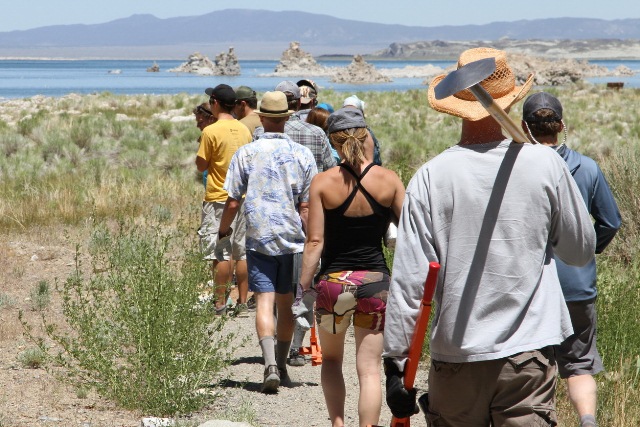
218, 144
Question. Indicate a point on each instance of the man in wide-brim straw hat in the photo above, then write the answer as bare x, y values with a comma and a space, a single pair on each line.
273, 174
489, 211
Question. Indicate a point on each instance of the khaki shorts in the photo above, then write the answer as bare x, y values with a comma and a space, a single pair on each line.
208, 232
510, 392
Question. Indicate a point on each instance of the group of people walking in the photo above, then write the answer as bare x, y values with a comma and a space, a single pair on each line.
509, 223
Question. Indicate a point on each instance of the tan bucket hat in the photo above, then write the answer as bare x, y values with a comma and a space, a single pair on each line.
274, 104
501, 85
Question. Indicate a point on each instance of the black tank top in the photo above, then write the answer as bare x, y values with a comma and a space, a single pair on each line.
355, 243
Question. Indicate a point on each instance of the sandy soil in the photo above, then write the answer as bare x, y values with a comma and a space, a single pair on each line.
30, 397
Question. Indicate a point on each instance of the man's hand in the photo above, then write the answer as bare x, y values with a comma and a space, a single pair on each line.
223, 244
303, 305
401, 401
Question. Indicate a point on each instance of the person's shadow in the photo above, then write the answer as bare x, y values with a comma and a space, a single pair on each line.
257, 386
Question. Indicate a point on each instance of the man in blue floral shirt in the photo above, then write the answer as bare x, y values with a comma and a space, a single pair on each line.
274, 174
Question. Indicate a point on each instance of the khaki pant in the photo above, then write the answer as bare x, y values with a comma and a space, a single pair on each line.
208, 232
513, 391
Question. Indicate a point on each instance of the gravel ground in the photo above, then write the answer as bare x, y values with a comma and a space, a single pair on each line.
34, 397
302, 404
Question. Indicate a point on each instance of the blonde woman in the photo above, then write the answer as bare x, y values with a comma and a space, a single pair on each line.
350, 208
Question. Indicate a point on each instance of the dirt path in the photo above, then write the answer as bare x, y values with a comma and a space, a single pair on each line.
32, 397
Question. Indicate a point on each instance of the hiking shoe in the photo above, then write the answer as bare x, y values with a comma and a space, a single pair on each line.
251, 303
241, 310
271, 379
221, 311
285, 381
295, 358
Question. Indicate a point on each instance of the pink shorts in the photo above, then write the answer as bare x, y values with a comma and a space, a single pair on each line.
358, 294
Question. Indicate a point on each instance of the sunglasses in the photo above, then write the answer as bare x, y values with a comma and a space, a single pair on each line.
202, 110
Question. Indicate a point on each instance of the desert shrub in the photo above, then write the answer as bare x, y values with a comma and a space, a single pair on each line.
134, 159
619, 296
5, 300
176, 156
164, 129
188, 136
41, 295
10, 143
53, 146
618, 342
82, 132
622, 169
33, 358
133, 141
29, 123
138, 334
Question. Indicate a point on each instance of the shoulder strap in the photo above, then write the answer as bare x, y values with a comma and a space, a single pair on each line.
375, 206
353, 173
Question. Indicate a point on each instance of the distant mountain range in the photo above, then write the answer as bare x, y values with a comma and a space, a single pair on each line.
261, 34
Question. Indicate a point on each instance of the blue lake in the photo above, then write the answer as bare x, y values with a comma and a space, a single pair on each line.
26, 78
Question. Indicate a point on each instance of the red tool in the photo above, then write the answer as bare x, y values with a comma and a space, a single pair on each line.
314, 348
415, 350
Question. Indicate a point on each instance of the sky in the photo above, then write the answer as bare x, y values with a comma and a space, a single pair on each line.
23, 15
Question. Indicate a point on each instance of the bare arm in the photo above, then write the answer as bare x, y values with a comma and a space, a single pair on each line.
229, 212
314, 242
201, 164
398, 198
303, 211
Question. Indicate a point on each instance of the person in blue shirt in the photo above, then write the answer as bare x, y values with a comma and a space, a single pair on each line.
577, 357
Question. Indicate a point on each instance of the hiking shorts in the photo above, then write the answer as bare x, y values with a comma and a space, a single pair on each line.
346, 294
270, 273
578, 355
208, 232
511, 392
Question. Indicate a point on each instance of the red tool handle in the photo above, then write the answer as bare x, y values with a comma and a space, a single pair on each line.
415, 350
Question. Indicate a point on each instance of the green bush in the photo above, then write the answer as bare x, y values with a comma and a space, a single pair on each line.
41, 295
164, 128
5, 300
138, 333
33, 358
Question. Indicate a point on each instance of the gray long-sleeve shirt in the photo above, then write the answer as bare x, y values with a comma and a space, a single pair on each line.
490, 215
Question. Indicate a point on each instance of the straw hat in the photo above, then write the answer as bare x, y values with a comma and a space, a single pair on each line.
274, 104
501, 85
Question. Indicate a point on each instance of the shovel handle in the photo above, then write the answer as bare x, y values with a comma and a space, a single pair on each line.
498, 113
415, 350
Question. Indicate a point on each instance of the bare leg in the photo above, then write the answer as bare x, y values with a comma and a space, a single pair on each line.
242, 278
368, 357
285, 316
221, 277
331, 375
265, 325
583, 394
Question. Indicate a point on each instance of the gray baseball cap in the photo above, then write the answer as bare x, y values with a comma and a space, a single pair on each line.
288, 86
539, 101
345, 118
